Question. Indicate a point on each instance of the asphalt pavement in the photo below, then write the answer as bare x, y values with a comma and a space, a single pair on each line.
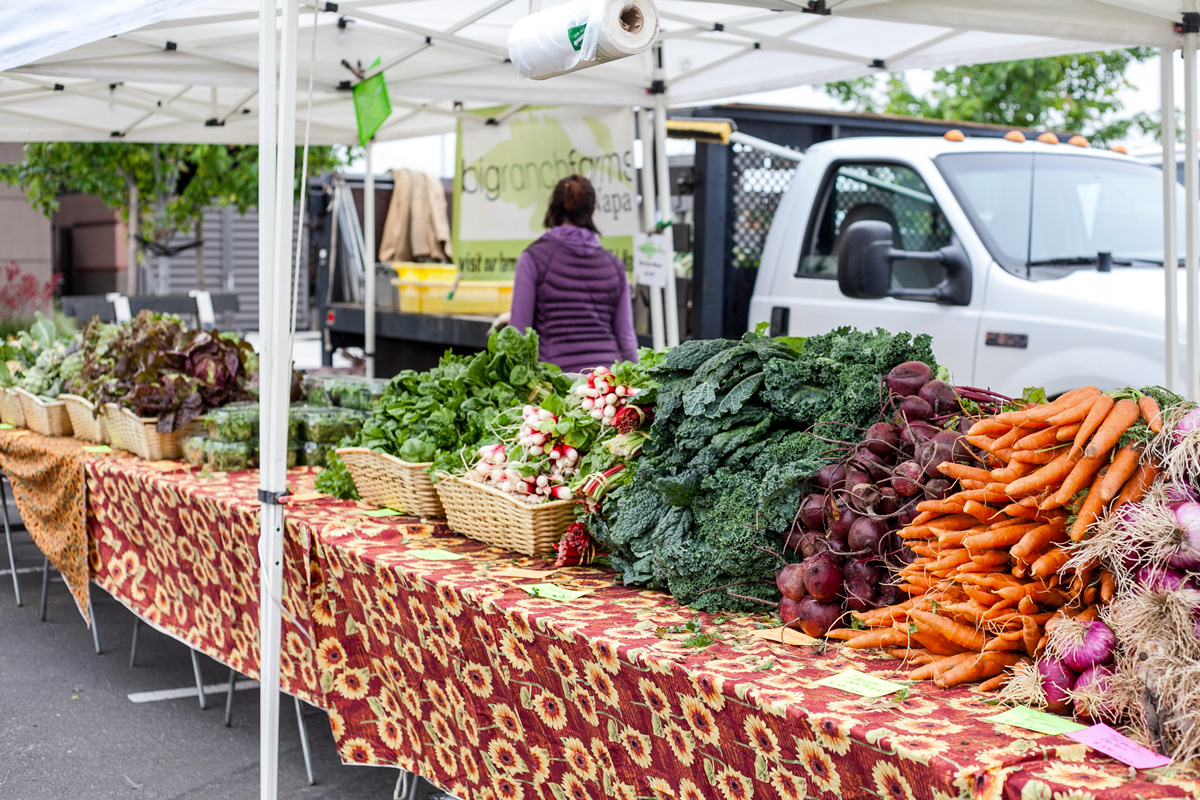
68, 728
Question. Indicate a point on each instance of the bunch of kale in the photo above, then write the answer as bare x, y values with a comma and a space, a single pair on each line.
739, 427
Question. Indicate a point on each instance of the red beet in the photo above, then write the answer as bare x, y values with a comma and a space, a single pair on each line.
882, 439
860, 595
941, 396
840, 527
790, 581
930, 455
907, 478
830, 476
812, 511
822, 577
789, 610
817, 618
914, 433
908, 378
914, 409
938, 488
867, 534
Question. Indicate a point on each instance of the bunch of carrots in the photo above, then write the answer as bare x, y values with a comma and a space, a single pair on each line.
990, 573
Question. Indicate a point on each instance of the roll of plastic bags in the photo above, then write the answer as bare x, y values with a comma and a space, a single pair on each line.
580, 34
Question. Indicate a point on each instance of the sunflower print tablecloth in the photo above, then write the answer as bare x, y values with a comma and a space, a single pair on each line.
180, 549
493, 694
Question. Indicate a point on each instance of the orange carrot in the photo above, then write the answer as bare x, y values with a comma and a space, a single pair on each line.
1136, 487
1047, 437
1124, 465
1046, 410
940, 506
1067, 432
1108, 586
1037, 540
929, 670
1052, 473
1150, 412
948, 560
843, 633
954, 632
885, 637
994, 683
988, 427
1076, 413
1006, 536
1123, 414
1009, 439
1093, 504
986, 665
1050, 563
1038, 456
990, 557
962, 472
1013, 471
1091, 422
954, 522
935, 644
1080, 476
980, 511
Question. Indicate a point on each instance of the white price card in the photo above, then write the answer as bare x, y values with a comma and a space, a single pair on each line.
653, 259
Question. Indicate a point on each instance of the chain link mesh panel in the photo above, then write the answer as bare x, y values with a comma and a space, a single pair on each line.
919, 225
757, 184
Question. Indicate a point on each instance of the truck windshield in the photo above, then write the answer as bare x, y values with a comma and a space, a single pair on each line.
1060, 210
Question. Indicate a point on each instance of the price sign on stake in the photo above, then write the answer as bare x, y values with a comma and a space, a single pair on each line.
861, 684
1036, 721
653, 258
1122, 748
97, 448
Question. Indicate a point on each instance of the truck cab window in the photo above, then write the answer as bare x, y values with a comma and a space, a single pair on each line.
890, 193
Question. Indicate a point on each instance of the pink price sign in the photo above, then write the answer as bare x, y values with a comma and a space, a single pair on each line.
1122, 748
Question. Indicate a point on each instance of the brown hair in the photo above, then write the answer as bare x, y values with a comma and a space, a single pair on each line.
573, 201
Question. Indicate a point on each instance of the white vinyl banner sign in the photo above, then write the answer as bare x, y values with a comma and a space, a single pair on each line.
507, 171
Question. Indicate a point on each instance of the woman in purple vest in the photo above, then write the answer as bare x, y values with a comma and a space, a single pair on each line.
571, 290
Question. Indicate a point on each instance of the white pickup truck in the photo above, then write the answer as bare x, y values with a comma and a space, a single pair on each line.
1030, 264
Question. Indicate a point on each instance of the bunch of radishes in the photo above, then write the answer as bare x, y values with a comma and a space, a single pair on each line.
538, 467
603, 395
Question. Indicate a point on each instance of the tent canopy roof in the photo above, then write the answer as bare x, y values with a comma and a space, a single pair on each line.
191, 75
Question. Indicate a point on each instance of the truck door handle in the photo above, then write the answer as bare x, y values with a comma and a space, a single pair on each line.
780, 316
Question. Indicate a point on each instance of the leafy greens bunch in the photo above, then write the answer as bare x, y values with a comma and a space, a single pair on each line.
444, 415
154, 366
33, 360
739, 428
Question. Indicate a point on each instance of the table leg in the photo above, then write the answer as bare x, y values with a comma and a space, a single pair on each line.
199, 680
12, 562
45, 584
304, 742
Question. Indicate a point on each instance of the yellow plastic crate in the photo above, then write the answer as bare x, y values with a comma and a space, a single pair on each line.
409, 272
486, 298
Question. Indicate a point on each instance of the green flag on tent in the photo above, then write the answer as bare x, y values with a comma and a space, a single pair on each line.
372, 106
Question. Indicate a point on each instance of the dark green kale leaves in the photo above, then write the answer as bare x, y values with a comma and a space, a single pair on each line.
739, 428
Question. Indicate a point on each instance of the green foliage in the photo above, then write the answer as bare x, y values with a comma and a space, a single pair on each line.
154, 366
444, 415
33, 358
1072, 92
176, 182
730, 451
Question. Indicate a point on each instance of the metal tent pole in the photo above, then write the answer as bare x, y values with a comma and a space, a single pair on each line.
369, 240
1192, 209
1170, 257
663, 180
657, 336
275, 378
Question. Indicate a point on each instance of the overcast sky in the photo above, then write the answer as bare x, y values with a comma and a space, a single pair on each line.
435, 154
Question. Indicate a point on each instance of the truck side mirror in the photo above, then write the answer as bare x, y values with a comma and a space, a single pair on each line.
865, 266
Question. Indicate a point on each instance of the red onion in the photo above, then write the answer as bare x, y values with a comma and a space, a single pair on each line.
1189, 423
1179, 493
1093, 693
1057, 680
1161, 579
1187, 517
1093, 646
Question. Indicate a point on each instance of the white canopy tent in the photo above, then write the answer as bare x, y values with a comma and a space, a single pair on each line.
189, 74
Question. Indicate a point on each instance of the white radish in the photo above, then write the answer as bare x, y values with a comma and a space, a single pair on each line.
620, 391
536, 449
572, 455
611, 398
597, 413
587, 404
561, 493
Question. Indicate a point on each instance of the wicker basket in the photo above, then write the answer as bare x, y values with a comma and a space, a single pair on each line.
48, 419
492, 516
127, 431
388, 482
87, 423
10, 408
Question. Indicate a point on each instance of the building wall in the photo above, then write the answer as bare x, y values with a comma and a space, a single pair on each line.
91, 245
25, 234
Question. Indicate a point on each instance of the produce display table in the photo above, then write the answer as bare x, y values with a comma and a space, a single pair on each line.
446, 668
